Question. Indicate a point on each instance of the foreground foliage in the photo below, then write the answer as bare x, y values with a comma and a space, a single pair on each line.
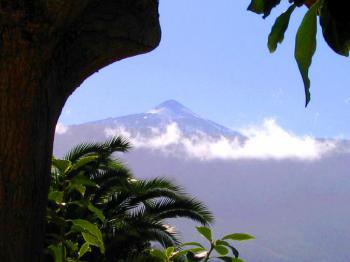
194, 251
98, 211
334, 21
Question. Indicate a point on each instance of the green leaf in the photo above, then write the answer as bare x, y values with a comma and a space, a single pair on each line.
94, 240
205, 232
263, 6
77, 187
80, 179
305, 45
83, 161
159, 254
61, 165
87, 204
79, 183
98, 212
56, 196
85, 248
73, 246
256, 6
335, 31
225, 243
90, 232
238, 237
169, 251
58, 252
237, 260
222, 250
186, 251
279, 28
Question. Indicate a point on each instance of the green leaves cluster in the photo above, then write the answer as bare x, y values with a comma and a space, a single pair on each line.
194, 251
98, 211
69, 239
334, 23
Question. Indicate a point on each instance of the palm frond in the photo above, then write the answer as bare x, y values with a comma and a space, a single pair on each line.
116, 144
160, 233
133, 193
81, 150
147, 230
106, 175
117, 205
146, 185
186, 208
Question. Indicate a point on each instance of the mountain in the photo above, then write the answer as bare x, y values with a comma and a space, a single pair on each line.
169, 114
164, 114
297, 206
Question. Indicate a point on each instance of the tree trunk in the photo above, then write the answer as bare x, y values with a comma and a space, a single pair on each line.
26, 132
47, 49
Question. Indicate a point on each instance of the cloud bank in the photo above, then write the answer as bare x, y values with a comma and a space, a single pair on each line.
267, 141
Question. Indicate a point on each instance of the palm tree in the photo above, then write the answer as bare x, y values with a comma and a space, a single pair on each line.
137, 212
130, 213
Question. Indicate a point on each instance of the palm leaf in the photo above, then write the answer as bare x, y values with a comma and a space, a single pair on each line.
186, 208
116, 144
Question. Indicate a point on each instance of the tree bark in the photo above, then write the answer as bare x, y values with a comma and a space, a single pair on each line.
47, 49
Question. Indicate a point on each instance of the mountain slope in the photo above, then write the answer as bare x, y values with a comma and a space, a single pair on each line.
150, 123
164, 114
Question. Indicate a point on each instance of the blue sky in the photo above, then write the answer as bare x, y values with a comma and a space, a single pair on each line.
213, 58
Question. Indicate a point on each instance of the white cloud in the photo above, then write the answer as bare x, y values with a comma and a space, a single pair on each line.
171, 136
268, 141
272, 141
61, 129
158, 140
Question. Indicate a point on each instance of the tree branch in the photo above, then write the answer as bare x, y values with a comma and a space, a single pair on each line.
104, 32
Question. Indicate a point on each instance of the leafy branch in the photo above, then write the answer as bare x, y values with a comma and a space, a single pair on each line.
334, 23
195, 251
